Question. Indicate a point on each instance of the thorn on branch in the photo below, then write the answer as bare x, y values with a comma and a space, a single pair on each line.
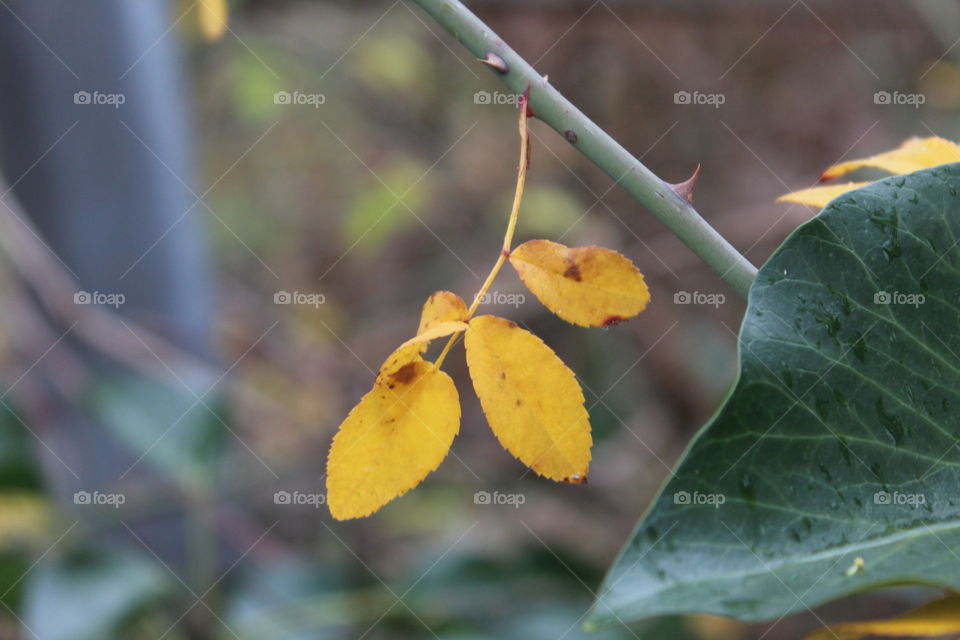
495, 62
685, 189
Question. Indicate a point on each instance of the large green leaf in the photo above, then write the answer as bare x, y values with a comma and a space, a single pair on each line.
839, 438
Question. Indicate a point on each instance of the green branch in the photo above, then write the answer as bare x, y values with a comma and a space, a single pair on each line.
551, 107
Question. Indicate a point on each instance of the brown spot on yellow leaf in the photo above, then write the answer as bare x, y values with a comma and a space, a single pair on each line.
609, 321
402, 356
573, 272
405, 374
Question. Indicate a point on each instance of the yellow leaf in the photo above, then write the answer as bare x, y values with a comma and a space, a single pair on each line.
820, 196
913, 155
213, 19
937, 618
531, 399
397, 434
438, 330
588, 286
442, 306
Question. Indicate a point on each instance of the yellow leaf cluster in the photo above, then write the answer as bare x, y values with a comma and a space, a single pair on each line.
914, 154
402, 429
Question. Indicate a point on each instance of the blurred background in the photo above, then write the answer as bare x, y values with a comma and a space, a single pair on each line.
209, 247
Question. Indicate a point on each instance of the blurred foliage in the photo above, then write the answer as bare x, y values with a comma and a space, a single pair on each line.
90, 594
382, 207
180, 430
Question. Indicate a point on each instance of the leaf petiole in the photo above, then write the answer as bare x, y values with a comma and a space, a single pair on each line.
511, 225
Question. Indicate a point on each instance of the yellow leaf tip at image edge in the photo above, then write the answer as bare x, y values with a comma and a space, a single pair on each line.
912, 155
820, 196
213, 19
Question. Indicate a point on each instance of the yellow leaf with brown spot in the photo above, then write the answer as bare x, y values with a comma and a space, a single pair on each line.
531, 399
820, 196
397, 434
937, 618
438, 330
213, 19
588, 286
914, 154
442, 306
